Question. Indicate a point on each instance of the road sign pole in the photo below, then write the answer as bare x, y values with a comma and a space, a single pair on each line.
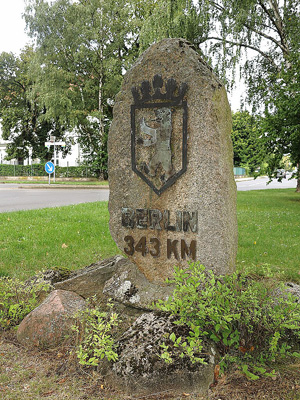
54, 143
54, 161
50, 169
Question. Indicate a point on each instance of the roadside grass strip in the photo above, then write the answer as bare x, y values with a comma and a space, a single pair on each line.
70, 237
75, 236
269, 232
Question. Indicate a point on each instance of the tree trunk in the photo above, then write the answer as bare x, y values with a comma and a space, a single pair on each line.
100, 93
298, 179
100, 106
298, 185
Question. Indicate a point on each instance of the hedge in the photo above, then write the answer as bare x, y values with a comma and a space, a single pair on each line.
39, 170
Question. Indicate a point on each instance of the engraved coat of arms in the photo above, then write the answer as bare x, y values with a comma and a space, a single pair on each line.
159, 132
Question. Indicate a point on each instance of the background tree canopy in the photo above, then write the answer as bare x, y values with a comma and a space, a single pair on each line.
263, 36
82, 50
84, 47
22, 115
248, 142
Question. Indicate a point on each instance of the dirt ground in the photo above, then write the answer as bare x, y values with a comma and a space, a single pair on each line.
34, 375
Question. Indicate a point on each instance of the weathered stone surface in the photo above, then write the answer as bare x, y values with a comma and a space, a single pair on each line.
48, 324
172, 190
293, 289
130, 287
139, 369
117, 278
90, 280
49, 277
289, 288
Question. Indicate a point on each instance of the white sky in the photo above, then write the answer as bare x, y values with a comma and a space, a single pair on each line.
12, 27
13, 37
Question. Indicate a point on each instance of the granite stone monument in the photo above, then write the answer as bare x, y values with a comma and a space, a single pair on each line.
172, 190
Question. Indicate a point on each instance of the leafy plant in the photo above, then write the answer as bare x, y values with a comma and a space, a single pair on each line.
82, 171
252, 322
17, 299
187, 346
94, 335
248, 151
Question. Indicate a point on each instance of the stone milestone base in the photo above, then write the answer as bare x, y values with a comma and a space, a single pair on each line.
139, 369
119, 279
47, 326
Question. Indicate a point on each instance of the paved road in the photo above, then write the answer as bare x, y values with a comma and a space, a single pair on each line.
261, 183
13, 198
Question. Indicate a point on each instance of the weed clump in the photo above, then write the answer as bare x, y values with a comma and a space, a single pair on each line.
94, 330
17, 299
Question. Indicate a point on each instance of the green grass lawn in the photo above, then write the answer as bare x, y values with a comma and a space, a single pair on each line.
71, 236
269, 231
75, 236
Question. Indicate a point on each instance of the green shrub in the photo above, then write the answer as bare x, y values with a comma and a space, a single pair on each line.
17, 299
252, 322
81, 171
94, 335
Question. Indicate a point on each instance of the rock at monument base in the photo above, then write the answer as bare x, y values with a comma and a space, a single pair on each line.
293, 289
139, 369
90, 280
50, 322
119, 279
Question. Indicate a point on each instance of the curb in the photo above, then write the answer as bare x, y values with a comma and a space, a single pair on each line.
244, 179
250, 178
42, 186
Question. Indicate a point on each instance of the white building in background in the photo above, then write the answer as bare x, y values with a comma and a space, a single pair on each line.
72, 159
3, 144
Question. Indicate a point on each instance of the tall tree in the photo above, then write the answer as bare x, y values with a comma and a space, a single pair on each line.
81, 49
173, 18
282, 118
262, 35
20, 112
248, 140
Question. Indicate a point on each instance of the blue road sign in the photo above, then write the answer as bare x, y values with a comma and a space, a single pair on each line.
49, 167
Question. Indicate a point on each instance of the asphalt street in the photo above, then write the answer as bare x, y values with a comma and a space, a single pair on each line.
262, 183
15, 198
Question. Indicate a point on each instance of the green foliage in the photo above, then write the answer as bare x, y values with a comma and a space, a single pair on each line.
263, 38
82, 171
252, 322
187, 345
21, 112
94, 334
17, 299
247, 140
82, 49
282, 118
174, 18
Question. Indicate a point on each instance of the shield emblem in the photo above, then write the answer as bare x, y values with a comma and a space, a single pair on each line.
159, 132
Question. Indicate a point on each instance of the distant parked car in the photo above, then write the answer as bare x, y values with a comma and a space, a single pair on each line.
280, 173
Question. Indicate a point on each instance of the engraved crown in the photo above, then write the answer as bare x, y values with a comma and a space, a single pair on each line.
147, 93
